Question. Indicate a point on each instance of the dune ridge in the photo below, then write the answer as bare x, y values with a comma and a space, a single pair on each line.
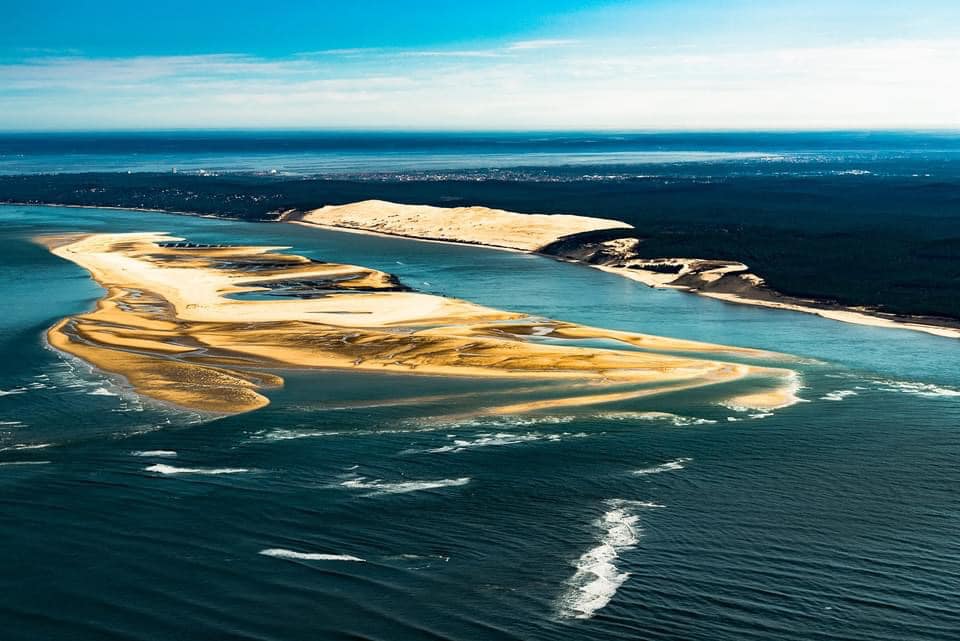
472, 225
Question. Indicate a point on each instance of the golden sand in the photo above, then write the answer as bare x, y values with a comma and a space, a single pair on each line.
172, 324
476, 225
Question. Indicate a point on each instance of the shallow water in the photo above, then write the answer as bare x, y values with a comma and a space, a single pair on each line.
339, 513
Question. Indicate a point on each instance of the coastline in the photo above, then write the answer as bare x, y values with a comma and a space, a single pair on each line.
843, 315
846, 314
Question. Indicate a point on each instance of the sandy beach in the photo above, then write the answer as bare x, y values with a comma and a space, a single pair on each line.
184, 324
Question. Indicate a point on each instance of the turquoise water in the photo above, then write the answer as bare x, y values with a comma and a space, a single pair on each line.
833, 519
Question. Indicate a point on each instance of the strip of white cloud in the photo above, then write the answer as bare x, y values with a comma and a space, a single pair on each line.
908, 83
544, 43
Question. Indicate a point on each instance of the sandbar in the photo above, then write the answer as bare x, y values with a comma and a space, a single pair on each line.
208, 327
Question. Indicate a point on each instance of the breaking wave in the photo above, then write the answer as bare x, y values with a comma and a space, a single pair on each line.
280, 553
102, 391
838, 395
597, 577
15, 390
669, 466
919, 389
170, 469
500, 439
497, 421
26, 446
288, 434
155, 453
379, 486
675, 419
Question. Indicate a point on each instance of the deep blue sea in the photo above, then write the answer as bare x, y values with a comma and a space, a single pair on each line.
388, 155
350, 509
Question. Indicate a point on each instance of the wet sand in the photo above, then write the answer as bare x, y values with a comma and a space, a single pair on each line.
191, 325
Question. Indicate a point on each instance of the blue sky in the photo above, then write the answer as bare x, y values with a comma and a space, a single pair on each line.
523, 64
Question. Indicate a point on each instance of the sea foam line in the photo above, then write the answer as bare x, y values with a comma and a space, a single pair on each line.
160, 468
102, 391
15, 390
838, 395
26, 446
675, 419
402, 487
289, 434
505, 421
669, 466
280, 553
919, 389
500, 439
597, 577
155, 453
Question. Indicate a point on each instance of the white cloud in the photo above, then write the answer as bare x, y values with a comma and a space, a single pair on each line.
545, 43
908, 83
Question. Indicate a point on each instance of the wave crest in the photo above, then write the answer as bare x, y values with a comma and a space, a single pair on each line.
281, 553
160, 468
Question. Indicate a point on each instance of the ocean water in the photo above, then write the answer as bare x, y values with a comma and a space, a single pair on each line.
355, 507
589, 155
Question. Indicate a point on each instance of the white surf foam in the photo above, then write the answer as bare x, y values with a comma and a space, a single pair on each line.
12, 463
597, 577
15, 390
288, 434
160, 468
26, 446
102, 391
838, 395
500, 439
11, 423
280, 553
675, 419
919, 389
402, 487
494, 422
669, 466
155, 453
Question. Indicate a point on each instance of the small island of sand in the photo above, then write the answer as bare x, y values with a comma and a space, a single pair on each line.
188, 324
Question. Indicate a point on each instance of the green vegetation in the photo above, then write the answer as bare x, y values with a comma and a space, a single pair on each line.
887, 242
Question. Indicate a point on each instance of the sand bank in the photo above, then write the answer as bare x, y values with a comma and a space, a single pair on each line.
196, 326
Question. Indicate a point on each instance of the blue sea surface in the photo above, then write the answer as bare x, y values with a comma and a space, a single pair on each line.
363, 506
391, 155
